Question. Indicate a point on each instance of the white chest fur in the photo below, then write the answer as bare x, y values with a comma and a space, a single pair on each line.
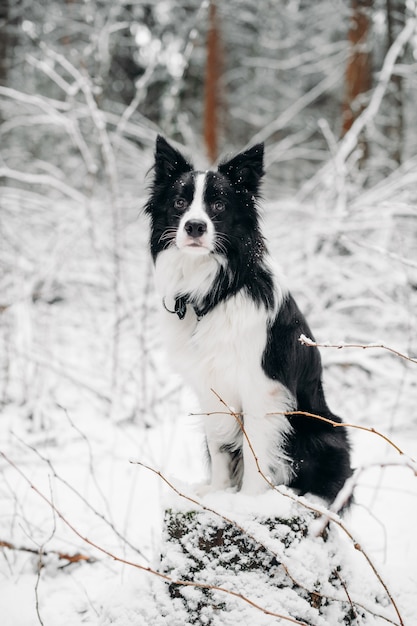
223, 350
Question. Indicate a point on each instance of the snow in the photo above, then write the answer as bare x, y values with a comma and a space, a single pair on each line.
88, 400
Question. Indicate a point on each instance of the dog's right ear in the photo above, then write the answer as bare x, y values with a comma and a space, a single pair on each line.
246, 168
168, 161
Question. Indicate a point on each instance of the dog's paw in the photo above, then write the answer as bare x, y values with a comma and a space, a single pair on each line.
203, 489
207, 488
254, 486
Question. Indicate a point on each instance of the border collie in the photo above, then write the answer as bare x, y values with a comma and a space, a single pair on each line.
232, 327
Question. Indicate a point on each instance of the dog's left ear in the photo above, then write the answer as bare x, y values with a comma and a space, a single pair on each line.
169, 161
246, 168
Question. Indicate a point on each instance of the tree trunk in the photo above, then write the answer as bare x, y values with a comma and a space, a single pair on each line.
211, 99
358, 77
222, 573
396, 10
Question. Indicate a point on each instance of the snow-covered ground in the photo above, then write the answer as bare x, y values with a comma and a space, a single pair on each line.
88, 399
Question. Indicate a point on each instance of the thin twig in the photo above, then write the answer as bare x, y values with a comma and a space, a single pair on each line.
408, 460
347, 490
85, 501
90, 460
41, 552
349, 425
306, 341
343, 583
383, 252
43, 179
76, 557
338, 521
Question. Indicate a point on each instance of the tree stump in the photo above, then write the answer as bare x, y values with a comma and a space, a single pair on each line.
258, 565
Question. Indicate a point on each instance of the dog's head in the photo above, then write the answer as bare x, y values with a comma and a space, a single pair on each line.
203, 212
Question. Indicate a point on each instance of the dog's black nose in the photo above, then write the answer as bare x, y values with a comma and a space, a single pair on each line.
195, 228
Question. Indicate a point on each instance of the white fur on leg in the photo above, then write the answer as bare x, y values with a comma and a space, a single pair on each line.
266, 432
221, 429
219, 478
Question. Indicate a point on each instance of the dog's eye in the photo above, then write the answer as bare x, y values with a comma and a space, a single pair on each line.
219, 206
180, 204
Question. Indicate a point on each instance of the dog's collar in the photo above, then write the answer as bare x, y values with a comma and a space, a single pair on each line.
180, 308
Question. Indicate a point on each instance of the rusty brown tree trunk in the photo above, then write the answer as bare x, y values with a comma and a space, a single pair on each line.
358, 79
211, 97
395, 11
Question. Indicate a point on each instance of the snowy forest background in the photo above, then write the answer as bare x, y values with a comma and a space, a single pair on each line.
85, 85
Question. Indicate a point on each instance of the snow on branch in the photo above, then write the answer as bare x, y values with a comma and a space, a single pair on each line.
306, 341
75, 557
43, 179
381, 251
346, 493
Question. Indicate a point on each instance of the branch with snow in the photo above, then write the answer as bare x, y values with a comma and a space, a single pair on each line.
75, 557
306, 341
347, 491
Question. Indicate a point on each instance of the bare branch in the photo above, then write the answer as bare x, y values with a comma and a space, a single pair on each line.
85, 501
312, 344
408, 460
348, 488
43, 179
383, 252
76, 557
296, 107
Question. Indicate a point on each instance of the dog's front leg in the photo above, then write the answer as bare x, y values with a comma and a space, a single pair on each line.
224, 441
219, 467
264, 457
257, 454
264, 460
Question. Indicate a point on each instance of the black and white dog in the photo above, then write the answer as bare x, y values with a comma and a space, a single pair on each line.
232, 326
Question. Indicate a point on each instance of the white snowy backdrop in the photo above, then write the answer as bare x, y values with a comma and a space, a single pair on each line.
85, 391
